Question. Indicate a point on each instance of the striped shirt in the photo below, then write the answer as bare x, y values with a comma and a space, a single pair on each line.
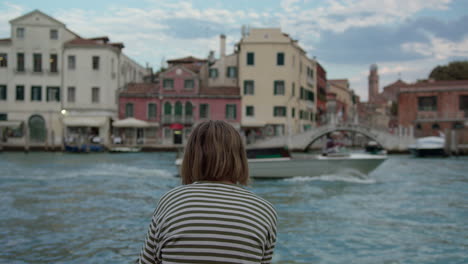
208, 222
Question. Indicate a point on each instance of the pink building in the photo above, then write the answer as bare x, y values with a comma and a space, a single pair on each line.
178, 100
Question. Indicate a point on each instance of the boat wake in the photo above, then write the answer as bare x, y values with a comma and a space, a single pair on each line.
351, 176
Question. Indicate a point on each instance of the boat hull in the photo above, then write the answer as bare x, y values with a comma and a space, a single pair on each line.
311, 167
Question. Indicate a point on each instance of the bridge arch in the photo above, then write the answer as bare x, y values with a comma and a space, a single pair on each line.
366, 131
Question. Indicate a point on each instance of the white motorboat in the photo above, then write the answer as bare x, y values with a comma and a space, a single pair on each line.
268, 164
428, 146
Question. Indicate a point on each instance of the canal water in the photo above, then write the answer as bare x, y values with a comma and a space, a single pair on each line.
95, 208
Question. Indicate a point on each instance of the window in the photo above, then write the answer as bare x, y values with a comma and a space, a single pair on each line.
189, 84
463, 104
95, 62
231, 72
151, 111
302, 95
279, 111
293, 112
53, 94
168, 84
3, 60
3, 117
280, 58
71, 62
204, 111
427, 103
3, 92
188, 109
293, 89
249, 110
167, 109
278, 88
19, 93
250, 58
435, 126
53, 34
71, 94
36, 93
37, 62
53, 63
249, 87
128, 110
20, 62
310, 72
213, 73
20, 33
309, 95
231, 111
178, 109
95, 95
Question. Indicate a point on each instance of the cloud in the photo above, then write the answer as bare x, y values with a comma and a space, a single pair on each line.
9, 11
411, 40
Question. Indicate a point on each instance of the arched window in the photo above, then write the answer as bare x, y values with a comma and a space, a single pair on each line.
178, 108
418, 126
167, 108
188, 109
37, 128
435, 126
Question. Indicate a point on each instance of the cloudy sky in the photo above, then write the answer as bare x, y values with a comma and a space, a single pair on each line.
405, 38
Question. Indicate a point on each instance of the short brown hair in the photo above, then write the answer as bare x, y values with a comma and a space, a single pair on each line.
215, 152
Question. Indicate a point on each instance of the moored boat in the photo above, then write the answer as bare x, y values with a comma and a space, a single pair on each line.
428, 146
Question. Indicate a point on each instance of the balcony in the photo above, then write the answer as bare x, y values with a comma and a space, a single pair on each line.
169, 119
433, 116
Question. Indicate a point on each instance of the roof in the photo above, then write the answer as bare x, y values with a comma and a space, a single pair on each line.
398, 83
188, 59
340, 83
435, 86
94, 42
140, 88
36, 11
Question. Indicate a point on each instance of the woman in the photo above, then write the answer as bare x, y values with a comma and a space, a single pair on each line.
210, 218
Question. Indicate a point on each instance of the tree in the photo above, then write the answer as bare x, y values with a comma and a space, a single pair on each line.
456, 70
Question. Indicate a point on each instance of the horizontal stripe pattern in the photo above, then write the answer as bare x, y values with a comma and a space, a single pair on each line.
209, 222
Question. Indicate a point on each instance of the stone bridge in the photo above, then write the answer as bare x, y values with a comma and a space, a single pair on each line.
302, 141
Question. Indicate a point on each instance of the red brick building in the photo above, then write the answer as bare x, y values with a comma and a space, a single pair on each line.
435, 106
321, 94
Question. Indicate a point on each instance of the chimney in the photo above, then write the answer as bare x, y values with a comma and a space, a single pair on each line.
222, 45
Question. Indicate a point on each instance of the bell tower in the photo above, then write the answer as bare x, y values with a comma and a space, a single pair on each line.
373, 82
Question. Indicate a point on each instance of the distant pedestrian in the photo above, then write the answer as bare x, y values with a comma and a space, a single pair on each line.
210, 218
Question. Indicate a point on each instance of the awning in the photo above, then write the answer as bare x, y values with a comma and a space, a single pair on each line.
253, 123
11, 123
130, 122
176, 126
81, 121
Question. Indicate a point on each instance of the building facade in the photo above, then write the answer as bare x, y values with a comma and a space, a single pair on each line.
278, 83
344, 99
433, 107
180, 99
54, 80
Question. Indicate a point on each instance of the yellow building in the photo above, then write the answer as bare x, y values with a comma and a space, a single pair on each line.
277, 83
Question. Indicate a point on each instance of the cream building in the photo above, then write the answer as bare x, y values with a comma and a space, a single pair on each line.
277, 82
344, 97
56, 81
